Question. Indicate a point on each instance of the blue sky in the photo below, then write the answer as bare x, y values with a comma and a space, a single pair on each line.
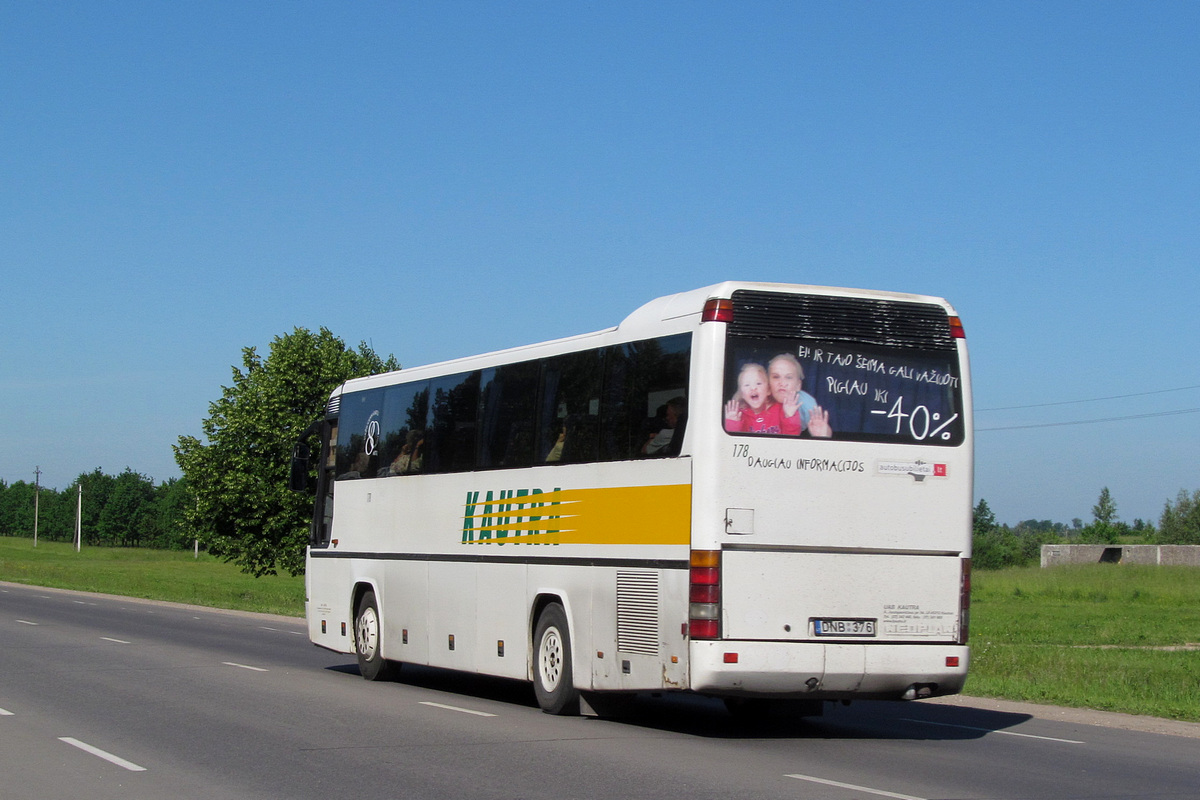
182, 180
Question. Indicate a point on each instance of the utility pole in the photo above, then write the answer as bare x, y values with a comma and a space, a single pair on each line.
37, 490
79, 520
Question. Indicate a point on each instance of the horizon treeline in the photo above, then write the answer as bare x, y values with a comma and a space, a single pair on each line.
996, 546
125, 510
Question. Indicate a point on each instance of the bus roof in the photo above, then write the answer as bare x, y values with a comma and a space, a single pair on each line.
677, 306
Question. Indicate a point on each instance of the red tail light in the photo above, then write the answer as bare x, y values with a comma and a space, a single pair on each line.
717, 310
956, 328
704, 594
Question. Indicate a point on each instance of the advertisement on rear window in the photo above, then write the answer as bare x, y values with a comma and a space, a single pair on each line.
838, 391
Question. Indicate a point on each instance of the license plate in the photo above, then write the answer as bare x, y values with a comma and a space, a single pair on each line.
844, 627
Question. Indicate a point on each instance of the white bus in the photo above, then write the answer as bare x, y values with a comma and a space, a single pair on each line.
751, 491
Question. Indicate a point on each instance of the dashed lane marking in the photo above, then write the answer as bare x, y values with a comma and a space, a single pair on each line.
96, 751
865, 789
993, 730
456, 708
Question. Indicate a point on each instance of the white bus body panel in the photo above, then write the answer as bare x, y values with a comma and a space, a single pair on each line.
463, 606
824, 671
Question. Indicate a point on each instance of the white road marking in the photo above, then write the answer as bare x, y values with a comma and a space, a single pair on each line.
866, 789
243, 666
109, 757
281, 630
993, 730
456, 708
4, 713
27, 622
115, 641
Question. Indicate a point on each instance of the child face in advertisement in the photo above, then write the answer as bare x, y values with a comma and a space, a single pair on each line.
753, 387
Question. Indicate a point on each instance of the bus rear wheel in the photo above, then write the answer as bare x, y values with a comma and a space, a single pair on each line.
368, 640
553, 680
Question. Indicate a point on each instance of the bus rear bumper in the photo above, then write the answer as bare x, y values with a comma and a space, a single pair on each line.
826, 671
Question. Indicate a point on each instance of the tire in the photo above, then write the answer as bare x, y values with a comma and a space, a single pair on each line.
553, 678
368, 640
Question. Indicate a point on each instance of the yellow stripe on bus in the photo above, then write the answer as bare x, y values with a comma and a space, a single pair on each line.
621, 515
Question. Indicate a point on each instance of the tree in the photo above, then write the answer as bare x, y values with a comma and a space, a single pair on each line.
16, 509
1104, 528
97, 488
127, 518
1105, 510
172, 498
983, 520
991, 545
1180, 522
243, 509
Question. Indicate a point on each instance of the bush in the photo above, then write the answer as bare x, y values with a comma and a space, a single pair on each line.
999, 546
1180, 522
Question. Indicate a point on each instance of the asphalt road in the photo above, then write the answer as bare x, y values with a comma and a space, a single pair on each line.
104, 697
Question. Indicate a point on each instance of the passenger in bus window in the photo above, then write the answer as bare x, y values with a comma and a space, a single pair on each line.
359, 468
752, 409
410, 458
659, 440
556, 452
787, 377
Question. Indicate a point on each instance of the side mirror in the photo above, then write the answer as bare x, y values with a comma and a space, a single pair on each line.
298, 480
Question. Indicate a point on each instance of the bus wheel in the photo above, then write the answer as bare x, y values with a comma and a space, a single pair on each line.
552, 680
368, 640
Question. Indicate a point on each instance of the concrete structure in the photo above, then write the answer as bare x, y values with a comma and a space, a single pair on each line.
1188, 555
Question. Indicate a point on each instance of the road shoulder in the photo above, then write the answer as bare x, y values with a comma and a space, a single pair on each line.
1078, 716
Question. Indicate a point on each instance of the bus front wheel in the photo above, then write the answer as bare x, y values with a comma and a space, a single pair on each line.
553, 682
368, 640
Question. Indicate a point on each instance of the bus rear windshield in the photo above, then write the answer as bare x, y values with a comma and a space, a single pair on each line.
788, 372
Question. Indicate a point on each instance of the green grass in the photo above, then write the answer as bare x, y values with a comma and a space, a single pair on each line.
1072, 636
1095, 636
153, 574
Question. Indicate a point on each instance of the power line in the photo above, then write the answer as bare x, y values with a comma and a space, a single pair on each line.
1091, 421
1089, 400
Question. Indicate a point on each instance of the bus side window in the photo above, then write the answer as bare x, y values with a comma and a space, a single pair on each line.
358, 438
507, 416
615, 441
405, 410
454, 422
569, 415
641, 379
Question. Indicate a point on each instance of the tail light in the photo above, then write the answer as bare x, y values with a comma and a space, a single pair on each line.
956, 328
964, 603
704, 595
717, 309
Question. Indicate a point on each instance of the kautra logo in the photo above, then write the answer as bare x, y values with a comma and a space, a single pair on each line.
512, 516
613, 515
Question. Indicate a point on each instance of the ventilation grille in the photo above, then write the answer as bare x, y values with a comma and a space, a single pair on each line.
333, 407
637, 613
888, 323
